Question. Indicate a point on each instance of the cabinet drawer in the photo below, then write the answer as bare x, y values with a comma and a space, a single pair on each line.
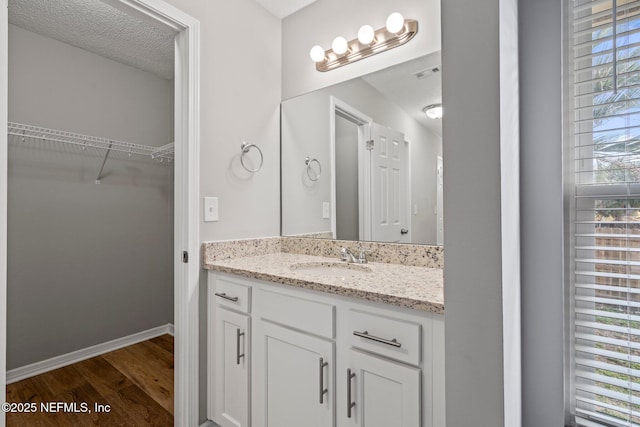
299, 313
232, 294
387, 336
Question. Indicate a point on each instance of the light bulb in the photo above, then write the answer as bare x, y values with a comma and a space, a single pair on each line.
366, 34
317, 53
395, 23
434, 111
339, 45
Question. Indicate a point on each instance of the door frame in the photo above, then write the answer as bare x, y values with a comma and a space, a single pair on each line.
439, 196
408, 220
337, 106
186, 188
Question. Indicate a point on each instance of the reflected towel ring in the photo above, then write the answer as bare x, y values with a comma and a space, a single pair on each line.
308, 161
245, 149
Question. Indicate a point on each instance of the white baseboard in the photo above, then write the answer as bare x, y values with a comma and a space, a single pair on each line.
38, 368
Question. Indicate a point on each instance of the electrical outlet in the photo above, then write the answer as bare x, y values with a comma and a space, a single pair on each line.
326, 210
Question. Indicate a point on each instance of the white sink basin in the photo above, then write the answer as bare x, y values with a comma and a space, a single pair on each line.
330, 269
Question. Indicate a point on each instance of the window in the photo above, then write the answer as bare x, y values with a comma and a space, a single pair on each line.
605, 213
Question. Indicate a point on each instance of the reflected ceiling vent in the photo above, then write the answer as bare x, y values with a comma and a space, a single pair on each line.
427, 72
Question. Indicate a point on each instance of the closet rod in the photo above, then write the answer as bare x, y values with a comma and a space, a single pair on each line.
52, 135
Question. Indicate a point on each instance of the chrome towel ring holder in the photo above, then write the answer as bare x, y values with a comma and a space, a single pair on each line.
245, 149
308, 161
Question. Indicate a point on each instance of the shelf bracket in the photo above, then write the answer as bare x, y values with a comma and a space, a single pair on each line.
106, 155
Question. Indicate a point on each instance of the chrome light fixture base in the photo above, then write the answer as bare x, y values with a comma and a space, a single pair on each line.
382, 41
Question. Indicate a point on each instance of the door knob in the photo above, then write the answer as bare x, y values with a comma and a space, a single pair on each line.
404, 231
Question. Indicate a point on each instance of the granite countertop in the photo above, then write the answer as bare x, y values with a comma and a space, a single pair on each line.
418, 288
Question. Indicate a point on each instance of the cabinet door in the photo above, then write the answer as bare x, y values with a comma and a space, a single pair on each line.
292, 370
382, 393
232, 367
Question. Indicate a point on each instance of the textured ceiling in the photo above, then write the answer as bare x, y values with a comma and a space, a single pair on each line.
283, 8
401, 85
99, 28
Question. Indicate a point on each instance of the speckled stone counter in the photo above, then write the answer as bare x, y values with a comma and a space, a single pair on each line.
393, 253
418, 288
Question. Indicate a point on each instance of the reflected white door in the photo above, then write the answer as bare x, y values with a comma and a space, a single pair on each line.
388, 193
439, 210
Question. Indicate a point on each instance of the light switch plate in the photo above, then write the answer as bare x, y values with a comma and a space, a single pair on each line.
210, 209
325, 210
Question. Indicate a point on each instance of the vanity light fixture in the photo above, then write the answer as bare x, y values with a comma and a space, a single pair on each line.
366, 35
433, 111
317, 54
395, 23
340, 46
396, 32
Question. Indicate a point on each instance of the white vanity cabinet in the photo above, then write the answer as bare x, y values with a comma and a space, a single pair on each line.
293, 367
383, 376
381, 392
229, 361
293, 375
324, 360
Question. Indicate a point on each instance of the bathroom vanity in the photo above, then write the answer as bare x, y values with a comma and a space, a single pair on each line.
299, 340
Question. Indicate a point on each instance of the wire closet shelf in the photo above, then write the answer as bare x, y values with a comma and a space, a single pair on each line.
163, 153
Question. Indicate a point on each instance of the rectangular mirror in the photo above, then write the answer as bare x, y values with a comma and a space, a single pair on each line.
361, 160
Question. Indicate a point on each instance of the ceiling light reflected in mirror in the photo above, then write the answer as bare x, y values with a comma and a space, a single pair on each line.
433, 111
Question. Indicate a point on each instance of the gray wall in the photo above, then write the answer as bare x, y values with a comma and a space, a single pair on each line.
481, 209
305, 133
424, 179
87, 263
542, 212
347, 206
239, 101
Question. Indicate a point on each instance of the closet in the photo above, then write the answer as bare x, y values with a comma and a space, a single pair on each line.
90, 180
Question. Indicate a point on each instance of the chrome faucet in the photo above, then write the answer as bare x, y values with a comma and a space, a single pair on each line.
348, 256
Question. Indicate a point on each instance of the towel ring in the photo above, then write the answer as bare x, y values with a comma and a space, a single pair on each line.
245, 149
308, 161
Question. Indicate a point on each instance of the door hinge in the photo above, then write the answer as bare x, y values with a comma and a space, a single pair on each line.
185, 257
370, 144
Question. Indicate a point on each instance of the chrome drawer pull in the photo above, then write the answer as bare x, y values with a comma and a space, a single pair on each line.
323, 390
238, 355
394, 342
350, 404
225, 296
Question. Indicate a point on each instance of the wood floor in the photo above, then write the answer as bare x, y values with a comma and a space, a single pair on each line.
136, 382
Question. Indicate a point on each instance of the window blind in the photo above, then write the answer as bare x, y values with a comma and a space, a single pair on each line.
605, 70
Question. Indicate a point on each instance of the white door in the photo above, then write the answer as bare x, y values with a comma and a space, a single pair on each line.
388, 198
232, 368
383, 393
439, 210
292, 371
